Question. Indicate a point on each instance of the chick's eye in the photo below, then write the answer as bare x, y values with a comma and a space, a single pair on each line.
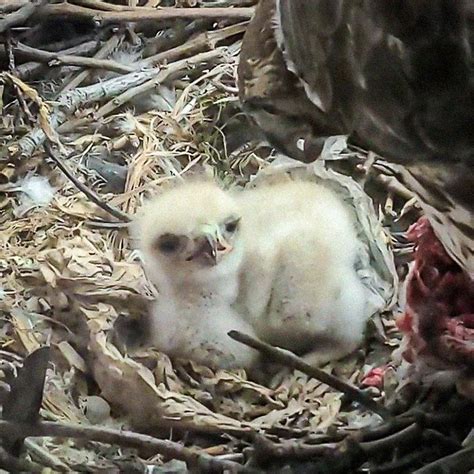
232, 226
168, 243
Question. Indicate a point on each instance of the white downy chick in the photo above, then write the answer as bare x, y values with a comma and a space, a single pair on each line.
192, 252
299, 289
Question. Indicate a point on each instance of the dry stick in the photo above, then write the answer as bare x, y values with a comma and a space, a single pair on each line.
164, 75
206, 40
67, 10
103, 52
124, 217
461, 461
129, 94
28, 70
170, 449
97, 4
289, 359
290, 449
56, 59
46, 458
68, 103
20, 16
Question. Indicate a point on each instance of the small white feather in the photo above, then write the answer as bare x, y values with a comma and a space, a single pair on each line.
36, 190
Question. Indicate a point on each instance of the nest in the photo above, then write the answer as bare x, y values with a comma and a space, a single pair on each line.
116, 103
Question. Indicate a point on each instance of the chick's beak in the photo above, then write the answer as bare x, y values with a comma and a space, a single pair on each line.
215, 246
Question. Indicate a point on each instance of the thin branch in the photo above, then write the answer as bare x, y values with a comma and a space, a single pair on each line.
99, 5
406, 435
45, 457
68, 103
170, 71
28, 70
161, 77
58, 59
125, 87
289, 359
206, 40
103, 52
20, 16
68, 11
95, 198
199, 460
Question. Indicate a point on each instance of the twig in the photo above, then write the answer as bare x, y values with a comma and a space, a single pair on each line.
103, 52
163, 76
206, 40
28, 70
201, 461
289, 359
20, 16
68, 11
57, 59
157, 79
404, 436
68, 103
95, 198
461, 461
109, 7
107, 225
45, 457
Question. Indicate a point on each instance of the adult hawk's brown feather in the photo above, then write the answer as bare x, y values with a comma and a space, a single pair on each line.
397, 75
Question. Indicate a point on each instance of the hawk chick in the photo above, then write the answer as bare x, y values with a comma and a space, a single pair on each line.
275, 262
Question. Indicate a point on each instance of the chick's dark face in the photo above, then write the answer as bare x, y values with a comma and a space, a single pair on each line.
206, 246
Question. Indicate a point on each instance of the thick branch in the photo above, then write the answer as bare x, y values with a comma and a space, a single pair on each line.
288, 359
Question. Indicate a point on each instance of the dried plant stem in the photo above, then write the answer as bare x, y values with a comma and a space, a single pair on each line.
95, 198
70, 11
170, 449
59, 59
289, 359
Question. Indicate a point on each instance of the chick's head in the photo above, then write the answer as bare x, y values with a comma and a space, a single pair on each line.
192, 227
